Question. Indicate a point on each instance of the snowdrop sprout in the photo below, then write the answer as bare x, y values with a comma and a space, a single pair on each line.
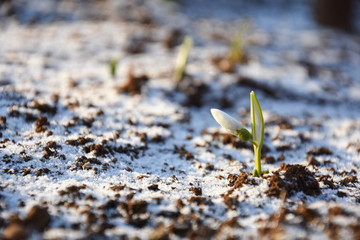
237, 44
182, 59
233, 127
113, 64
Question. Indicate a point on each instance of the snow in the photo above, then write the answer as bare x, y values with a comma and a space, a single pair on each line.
41, 60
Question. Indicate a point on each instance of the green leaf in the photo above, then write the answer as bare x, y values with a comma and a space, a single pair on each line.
257, 120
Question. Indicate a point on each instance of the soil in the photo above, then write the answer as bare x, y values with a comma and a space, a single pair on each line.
86, 154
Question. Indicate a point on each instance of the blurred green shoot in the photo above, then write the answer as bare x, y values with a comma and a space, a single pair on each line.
113, 64
182, 57
237, 45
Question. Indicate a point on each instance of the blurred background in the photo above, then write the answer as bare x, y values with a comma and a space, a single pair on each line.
343, 15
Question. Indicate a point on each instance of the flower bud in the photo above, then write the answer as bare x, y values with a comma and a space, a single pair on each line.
226, 121
243, 134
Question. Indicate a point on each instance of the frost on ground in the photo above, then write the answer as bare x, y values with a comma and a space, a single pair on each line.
84, 155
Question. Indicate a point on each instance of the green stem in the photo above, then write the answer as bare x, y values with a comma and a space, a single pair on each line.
253, 143
257, 152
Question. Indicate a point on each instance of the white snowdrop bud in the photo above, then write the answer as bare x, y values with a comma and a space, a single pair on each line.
226, 121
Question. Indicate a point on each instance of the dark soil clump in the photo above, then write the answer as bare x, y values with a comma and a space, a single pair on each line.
296, 178
237, 181
79, 141
133, 84
98, 149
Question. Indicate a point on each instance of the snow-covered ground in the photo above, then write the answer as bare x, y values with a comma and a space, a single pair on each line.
83, 159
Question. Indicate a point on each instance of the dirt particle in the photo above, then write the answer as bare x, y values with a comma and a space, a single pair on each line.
159, 233
231, 223
179, 204
341, 194
82, 162
130, 196
316, 151
72, 190
197, 200
44, 108
336, 211
346, 181
224, 64
133, 84
196, 190
153, 187
97, 149
307, 213
158, 139
137, 221
143, 137
209, 167
111, 204
37, 218
183, 152
237, 181
42, 171
327, 180
117, 187
312, 161
231, 202
90, 198
41, 124
356, 230
2, 122
134, 207
284, 147
173, 38
16, 231
269, 159
181, 227
79, 141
